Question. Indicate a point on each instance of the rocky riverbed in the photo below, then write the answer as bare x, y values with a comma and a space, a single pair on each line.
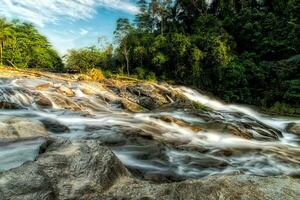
67, 137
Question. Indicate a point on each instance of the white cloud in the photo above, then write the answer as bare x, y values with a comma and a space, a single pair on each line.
83, 31
50, 11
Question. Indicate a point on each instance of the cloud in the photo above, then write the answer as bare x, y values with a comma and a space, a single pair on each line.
41, 12
83, 31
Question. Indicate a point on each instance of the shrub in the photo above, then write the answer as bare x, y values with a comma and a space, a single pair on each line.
140, 72
151, 76
96, 74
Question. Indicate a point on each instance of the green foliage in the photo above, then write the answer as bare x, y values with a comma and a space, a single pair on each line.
85, 59
242, 51
200, 106
284, 109
21, 45
150, 76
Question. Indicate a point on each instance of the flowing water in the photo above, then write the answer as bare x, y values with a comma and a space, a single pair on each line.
149, 146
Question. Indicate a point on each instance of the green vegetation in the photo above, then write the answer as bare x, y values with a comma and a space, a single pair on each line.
21, 45
244, 51
200, 106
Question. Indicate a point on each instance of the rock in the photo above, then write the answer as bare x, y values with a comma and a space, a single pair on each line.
245, 187
43, 101
7, 131
80, 169
131, 106
179, 122
9, 105
148, 103
83, 169
64, 170
55, 126
67, 91
26, 183
294, 128
43, 86
16, 128
65, 103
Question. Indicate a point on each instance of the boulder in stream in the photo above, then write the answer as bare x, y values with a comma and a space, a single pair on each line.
20, 128
294, 128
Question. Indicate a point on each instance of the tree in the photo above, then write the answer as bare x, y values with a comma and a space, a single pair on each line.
143, 18
83, 59
21, 45
122, 36
6, 34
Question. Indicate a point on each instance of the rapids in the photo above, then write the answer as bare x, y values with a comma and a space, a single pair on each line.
150, 147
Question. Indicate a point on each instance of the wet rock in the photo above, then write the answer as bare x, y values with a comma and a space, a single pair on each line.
66, 91
9, 105
16, 128
43, 101
55, 126
131, 106
179, 122
44, 86
294, 128
143, 94
65, 103
148, 103
232, 129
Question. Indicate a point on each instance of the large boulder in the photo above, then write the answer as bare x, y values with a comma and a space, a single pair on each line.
64, 170
80, 169
28, 182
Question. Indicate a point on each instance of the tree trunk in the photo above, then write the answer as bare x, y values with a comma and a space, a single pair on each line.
126, 55
127, 64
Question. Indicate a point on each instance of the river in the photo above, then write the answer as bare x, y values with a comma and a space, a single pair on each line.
195, 144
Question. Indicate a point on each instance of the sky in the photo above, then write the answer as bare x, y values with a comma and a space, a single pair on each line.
70, 23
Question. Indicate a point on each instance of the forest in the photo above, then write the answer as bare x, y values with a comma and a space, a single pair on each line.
242, 51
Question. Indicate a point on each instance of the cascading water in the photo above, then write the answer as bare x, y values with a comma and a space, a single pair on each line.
198, 144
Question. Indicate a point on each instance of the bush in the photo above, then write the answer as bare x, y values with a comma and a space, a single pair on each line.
96, 74
151, 76
284, 109
140, 72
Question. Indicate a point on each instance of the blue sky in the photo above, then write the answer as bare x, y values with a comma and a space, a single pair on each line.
70, 23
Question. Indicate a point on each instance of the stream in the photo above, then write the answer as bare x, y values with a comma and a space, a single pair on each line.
194, 146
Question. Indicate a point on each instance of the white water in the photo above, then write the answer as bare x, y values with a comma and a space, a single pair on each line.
174, 150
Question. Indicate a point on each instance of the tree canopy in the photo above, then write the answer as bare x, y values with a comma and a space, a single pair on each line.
244, 51
23, 46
